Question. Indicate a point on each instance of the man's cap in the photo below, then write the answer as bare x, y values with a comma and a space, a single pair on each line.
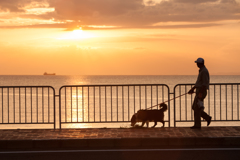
199, 60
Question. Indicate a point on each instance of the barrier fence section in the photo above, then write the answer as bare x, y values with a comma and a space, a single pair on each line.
27, 105
30, 105
222, 103
108, 103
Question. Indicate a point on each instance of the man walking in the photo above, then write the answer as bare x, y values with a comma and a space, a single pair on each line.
201, 86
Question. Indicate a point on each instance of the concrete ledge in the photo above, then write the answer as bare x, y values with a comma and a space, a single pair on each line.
119, 143
128, 142
105, 143
19, 144
232, 141
182, 141
46, 144
155, 142
3, 144
74, 143
212, 141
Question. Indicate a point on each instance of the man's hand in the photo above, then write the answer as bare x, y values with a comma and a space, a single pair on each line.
191, 91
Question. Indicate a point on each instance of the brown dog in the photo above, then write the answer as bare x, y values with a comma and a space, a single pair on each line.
146, 116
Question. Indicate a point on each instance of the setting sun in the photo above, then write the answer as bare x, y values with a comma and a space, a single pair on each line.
76, 34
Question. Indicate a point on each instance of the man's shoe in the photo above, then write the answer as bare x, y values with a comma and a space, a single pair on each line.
209, 121
194, 127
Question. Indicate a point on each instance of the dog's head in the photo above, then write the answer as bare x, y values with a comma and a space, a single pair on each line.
134, 119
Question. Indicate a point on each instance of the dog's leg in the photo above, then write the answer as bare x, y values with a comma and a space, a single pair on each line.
155, 123
147, 124
163, 124
143, 123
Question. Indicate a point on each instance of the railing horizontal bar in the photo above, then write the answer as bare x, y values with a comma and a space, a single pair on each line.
105, 122
28, 123
211, 121
114, 85
26, 87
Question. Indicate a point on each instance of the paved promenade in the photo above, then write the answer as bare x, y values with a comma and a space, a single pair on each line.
181, 137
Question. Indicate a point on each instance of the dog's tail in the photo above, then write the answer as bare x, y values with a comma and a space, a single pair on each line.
163, 107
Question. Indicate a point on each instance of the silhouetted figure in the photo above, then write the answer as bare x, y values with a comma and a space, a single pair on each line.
201, 86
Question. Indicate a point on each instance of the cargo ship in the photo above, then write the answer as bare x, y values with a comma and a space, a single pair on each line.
49, 74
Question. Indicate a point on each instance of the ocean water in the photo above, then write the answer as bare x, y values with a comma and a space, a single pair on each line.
57, 81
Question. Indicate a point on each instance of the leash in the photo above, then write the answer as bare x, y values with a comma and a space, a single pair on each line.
168, 100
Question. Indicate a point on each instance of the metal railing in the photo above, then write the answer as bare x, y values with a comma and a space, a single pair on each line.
27, 105
222, 102
81, 104
108, 103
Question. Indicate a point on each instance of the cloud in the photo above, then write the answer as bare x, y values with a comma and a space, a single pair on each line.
128, 13
11, 5
229, 1
134, 13
195, 1
20, 5
81, 8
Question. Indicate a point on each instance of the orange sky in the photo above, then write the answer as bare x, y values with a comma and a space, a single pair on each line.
119, 37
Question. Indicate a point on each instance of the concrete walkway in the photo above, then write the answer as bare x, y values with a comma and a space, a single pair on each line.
181, 137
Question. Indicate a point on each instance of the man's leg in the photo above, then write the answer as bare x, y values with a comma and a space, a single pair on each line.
197, 114
197, 117
205, 116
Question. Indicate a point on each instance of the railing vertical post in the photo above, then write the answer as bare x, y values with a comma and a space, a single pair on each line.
237, 102
20, 115
8, 104
134, 98
111, 102
60, 115
214, 102
117, 100
54, 109
42, 104
174, 106
128, 105
123, 103
83, 105
71, 105
77, 101
100, 104
2, 107
140, 97
105, 103
169, 107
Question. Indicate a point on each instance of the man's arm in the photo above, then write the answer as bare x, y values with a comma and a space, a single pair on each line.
203, 88
205, 82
